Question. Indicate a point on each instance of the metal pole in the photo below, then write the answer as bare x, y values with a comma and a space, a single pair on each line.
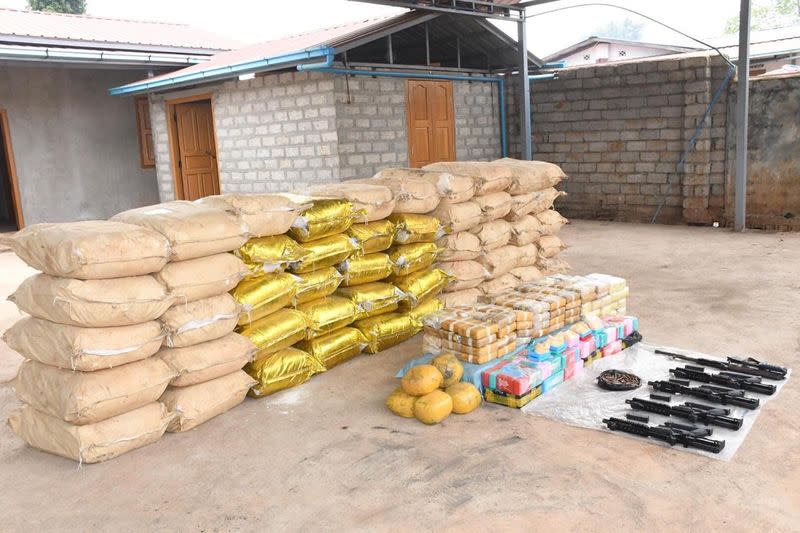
390, 48
742, 106
525, 92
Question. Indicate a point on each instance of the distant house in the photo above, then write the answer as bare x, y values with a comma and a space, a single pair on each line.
770, 50
69, 150
604, 50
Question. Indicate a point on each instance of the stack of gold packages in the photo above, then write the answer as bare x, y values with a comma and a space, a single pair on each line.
476, 334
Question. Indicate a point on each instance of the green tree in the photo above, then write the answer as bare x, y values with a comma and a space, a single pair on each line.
627, 30
769, 14
74, 7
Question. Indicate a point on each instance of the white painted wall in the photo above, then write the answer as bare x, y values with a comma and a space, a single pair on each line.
610, 52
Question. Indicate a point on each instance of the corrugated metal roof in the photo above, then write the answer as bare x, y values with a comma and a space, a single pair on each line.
57, 29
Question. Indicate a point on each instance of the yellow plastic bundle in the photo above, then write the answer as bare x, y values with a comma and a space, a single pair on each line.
408, 258
424, 308
276, 331
317, 284
272, 253
335, 347
416, 228
366, 269
372, 299
327, 314
325, 252
374, 236
385, 331
264, 294
420, 286
281, 370
325, 217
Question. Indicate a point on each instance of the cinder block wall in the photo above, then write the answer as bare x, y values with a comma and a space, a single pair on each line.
619, 130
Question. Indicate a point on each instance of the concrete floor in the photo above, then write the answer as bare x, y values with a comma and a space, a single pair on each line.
329, 456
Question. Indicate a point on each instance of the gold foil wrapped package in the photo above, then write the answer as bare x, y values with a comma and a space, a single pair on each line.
277, 331
366, 268
327, 314
385, 331
424, 308
272, 253
286, 368
374, 236
336, 347
422, 285
325, 252
416, 228
324, 218
408, 258
317, 284
372, 299
264, 294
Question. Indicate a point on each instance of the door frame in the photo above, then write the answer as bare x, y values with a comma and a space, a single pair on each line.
12, 169
409, 80
174, 145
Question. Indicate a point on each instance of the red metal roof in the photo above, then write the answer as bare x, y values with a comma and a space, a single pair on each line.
58, 29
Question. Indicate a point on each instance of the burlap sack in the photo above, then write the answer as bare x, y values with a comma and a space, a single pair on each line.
452, 188
551, 221
85, 349
494, 205
87, 397
94, 303
411, 195
527, 255
91, 443
193, 230
493, 234
93, 249
458, 217
526, 230
465, 274
553, 265
487, 177
526, 274
264, 214
550, 246
200, 321
530, 176
465, 298
504, 283
500, 261
208, 360
532, 203
461, 246
199, 403
203, 277
371, 201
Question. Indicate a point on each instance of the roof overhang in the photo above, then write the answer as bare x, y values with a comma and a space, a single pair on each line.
45, 54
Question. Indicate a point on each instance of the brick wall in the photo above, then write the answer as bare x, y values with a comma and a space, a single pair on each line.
619, 130
477, 113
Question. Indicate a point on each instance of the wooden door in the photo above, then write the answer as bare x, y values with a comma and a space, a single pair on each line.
431, 122
197, 150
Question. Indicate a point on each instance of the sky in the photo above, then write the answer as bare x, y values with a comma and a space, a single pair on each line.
256, 21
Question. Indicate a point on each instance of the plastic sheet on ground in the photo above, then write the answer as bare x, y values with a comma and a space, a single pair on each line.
580, 402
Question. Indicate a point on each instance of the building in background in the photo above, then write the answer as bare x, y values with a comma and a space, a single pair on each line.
596, 50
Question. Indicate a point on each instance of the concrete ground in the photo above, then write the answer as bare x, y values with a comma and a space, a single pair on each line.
329, 456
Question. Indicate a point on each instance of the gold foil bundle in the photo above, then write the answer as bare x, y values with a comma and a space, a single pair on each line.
372, 299
264, 294
317, 284
424, 308
374, 236
408, 258
327, 314
324, 218
420, 286
366, 269
281, 370
385, 331
416, 228
272, 253
325, 252
276, 331
335, 347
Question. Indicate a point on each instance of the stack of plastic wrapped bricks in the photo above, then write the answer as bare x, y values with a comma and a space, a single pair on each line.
475, 335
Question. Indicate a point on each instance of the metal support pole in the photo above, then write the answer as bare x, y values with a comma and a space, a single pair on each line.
742, 107
427, 45
390, 49
525, 93
458, 51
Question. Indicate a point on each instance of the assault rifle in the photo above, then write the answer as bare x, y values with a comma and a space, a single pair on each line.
707, 392
726, 379
749, 366
694, 412
672, 434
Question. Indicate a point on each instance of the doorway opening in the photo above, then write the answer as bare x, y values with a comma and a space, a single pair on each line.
10, 210
193, 146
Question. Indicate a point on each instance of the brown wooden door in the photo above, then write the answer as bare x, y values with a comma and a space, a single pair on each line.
197, 150
431, 124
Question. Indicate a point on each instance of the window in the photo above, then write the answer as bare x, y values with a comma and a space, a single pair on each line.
144, 131
622, 53
587, 57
